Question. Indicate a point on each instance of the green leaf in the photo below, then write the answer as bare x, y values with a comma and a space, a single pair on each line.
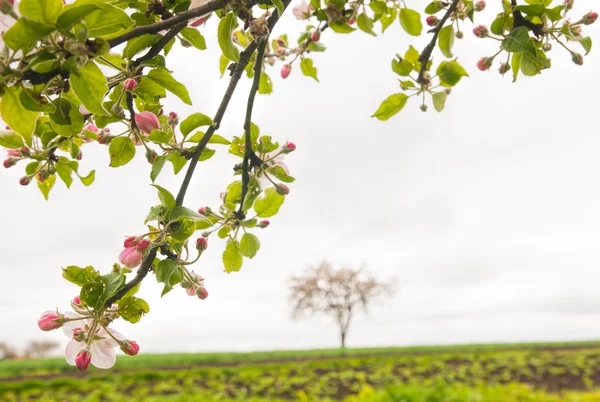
532, 64
132, 309
160, 137
306, 65
516, 65
586, 43
519, 41
434, 7
439, 100
157, 166
387, 20
194, 37
265, 86
107, 21
89, 179
223, 63
80, 276
35, 104
555, 13
43, 11
341, 28
410, 20
166, 80
178, 162
269, 204
121, 150
46, 185
25, 33
179, 213
91, 294
16, 116
534, 10
89, 84
249, 245
446, 40
73, 15
280, 6
165, 197
65, 172
378, 7
402, 68
450, 73
112, 283
217, 139
389, 107
280, 173
136, 45
365, 24
66, 119
226, 27
497, 27
11, 140
169, 273
194, 121
232, 257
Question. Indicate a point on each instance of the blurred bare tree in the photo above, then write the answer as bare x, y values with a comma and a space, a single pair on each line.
39, 349
7, 352
335, 292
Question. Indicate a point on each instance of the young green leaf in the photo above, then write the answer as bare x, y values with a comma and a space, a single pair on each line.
306, 65
365, 24
341, 28
410, 20
132, 309
169, 273
89, 84
519, 41
121, 150
16, 116
226, 27
249, 245
439, 100
43, 11
446, 40
194, 121
194, 37
265, 86
73, 15
450, 73
10, 140
46, 185
269, 204
165, 197
232, 257
163, 78
106, 21
392, 105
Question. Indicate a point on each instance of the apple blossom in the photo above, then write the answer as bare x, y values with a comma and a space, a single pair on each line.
286, 70
302, 11
147, 121
131, 257
83, 359
130, 348
130, 84
50, 320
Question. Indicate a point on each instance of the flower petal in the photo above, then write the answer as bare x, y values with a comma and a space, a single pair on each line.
69, 326
73, 347
103, 355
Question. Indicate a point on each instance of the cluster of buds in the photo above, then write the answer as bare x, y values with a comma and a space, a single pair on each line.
481, 31
133, 254
194, 286
15, 155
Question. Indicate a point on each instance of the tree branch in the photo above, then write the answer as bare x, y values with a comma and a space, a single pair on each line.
160, 45
520, 21
237, 73
212, 5
426, 54
250, 158
129, 100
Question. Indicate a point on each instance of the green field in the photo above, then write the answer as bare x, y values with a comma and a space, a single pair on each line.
514, 372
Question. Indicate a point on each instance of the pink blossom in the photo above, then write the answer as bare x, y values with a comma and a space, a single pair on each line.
432, 20
9, 162
13, 152
131, 241
191, 291
130, 348
130, 84
83, 359
590, 18
201, 244
263, 224
303, 11
100, 348
285, 71
202, 293
147, 121
131, 257
50, 320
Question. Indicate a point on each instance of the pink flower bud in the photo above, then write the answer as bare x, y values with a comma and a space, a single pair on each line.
50, 320
131, 241
590, 18
286, 70
289, 147
481, 31
130, 348
131, 257
130, 84
577, 58
10, 162
13, 152
143, 244
92, 128
281, 42
315, 36
79, 156
576, 30
263, 224
203, 210
280, 51
76, 300
504, 68
78, 334
432, 20
25, 180
104, 139
151, 155
485, 63
147, 121
202, 293
172, 119
83, 359
479, 6
352, 21
201, 244
191, 291
282, 189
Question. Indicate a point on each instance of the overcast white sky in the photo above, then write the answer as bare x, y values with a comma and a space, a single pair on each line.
486, 213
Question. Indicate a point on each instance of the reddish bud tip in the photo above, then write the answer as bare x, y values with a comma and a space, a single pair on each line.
131, 241
263, 224
315, 36
77, 300
590, 18
485, 63
479, 6
92, 128
203, 210
481, 31
352, 21
83, 359
202, 293
577, 58
143, 244
172, 119
285, 71
281, 42
201, 244
25, 180
10, 162
130, 348
130, 84
50, 320
282, 189
432, 20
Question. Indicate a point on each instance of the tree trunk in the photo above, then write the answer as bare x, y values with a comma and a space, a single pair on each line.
343, 339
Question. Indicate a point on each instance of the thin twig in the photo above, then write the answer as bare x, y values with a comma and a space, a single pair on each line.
426, 54
250, 158
160, 45
129, 100
212, 5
